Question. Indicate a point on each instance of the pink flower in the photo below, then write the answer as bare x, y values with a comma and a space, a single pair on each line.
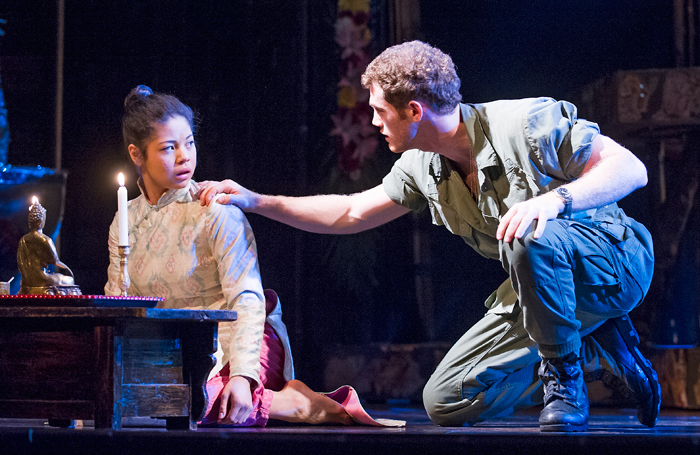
352, 74
346, 128
365, 148
357, 138
352, 38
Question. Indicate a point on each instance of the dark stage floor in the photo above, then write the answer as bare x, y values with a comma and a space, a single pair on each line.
611, 431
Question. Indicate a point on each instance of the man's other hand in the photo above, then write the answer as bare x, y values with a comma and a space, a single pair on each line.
516, 222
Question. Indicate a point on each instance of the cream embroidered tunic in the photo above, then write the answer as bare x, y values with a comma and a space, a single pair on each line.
198, 257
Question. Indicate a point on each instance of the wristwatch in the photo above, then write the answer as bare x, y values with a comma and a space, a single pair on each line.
564, 194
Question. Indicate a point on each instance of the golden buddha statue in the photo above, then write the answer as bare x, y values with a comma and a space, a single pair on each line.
35, 253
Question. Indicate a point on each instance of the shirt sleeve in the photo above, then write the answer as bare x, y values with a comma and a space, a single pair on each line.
561, 142
403, 183
233, 245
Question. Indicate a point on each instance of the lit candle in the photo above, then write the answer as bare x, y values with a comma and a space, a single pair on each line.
122, 211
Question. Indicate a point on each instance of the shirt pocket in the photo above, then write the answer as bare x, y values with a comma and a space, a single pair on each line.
513, 186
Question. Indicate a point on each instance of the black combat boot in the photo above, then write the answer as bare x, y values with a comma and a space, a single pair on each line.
636, 381
565, 395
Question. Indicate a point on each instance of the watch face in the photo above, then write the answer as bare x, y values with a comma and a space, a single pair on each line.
563, 192
568, 200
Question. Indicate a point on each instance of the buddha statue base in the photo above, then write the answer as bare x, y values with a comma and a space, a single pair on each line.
50, 290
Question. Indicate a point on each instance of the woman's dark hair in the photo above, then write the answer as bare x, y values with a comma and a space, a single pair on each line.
143, 108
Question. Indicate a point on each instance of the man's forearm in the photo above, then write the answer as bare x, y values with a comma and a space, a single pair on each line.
609, 180
323, 214
331, 213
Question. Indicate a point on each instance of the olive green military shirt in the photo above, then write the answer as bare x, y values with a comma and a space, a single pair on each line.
523, 148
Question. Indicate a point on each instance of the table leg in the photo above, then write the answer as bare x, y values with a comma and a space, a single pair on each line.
107, 379
180, 423
198, 359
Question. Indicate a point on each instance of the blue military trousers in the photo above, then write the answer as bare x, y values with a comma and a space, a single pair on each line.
561, 287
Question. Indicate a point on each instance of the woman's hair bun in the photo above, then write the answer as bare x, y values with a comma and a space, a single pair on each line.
138, 93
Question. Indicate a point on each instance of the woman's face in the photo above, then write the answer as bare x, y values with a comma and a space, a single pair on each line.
170, 159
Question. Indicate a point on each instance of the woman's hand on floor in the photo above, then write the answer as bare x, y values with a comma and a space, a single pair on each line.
237, 398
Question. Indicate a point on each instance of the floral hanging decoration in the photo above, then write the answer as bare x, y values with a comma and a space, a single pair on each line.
356, 138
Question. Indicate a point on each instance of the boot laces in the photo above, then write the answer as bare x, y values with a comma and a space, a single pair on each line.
555, 387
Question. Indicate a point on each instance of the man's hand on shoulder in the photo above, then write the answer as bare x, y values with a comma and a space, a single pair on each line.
231, 193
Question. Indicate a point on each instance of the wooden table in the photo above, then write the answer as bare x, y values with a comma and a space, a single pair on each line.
106, 362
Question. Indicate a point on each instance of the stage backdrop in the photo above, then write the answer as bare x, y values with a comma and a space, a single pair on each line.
263, 76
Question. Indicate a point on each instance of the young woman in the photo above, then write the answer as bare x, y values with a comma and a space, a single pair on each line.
205, 258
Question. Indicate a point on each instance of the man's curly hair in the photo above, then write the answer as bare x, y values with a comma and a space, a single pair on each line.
415, 71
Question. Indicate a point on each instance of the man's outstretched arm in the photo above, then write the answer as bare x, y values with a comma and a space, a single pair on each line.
323, 214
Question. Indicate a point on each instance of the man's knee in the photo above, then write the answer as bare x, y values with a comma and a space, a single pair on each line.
435, 406
529, 249
445, 409
529, 260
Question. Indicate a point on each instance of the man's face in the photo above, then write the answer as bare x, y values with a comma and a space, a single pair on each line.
397, 126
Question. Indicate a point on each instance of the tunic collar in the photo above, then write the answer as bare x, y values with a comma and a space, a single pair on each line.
187, 194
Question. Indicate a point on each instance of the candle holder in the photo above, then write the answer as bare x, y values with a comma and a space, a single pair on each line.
124, 281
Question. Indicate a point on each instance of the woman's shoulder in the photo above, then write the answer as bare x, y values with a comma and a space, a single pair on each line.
227, 210
215, 212
224, 212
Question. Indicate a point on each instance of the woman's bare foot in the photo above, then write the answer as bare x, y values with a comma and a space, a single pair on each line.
297, 403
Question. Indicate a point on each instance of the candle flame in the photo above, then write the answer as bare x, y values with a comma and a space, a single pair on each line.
35, 201
120, 179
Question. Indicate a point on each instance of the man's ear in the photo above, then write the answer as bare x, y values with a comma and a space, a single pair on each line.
135, 154
415, 110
